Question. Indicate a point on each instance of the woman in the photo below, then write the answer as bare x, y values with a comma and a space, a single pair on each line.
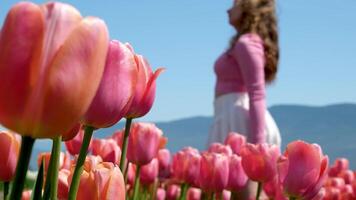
242, 73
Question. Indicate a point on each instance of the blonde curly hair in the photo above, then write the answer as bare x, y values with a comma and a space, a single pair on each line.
259, 16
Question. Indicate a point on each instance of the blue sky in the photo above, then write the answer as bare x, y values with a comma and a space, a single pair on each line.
317, 43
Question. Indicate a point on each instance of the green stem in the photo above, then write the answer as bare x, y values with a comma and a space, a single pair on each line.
233, 195
56, 155
47, 188
183, 191
124, 144
37, 189
212, 196
126, 171
292, 198
22, 167
154, 190
259, 189
6, 189
80, 162
137, 182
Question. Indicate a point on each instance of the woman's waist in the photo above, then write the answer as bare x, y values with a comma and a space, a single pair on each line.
230, 99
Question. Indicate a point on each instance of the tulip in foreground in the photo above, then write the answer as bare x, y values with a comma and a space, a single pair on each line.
55, 77
235, 141
144, 143
115, 93
302, 170
214, 172
100, 180
9, 151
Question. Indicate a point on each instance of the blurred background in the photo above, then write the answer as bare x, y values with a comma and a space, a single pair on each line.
313, 98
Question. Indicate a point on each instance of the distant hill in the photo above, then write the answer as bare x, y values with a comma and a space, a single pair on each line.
333, 127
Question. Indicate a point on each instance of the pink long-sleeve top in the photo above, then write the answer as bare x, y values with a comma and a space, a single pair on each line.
241, 69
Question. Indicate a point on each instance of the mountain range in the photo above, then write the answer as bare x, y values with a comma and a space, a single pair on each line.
333, 127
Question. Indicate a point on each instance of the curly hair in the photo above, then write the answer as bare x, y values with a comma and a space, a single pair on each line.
259, 16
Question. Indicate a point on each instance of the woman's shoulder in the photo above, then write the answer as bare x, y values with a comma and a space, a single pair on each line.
249, 41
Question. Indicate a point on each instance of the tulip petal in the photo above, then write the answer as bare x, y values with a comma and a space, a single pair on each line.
116, 88
74, 77
20, 47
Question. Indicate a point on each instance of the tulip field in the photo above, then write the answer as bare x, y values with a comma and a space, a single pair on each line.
63, 77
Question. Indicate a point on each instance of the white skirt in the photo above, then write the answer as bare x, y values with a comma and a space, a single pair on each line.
231, 113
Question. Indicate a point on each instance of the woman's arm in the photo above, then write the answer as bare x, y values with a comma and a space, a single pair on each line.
249, 53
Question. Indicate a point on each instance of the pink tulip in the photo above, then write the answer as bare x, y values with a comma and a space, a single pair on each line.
335, 182
131, 174
145, 88
220, 148
143, 143
161, 194
149, 172
273, 189
237, 176
347, 175
164, 161
114, 95
107, 149
193, 194
63, 186
302, 169
9, 151
52, 60
214, 172
340, 165
186, 166
118, 136
100, 181
225, 195
64, 160
73, 145
235, 141
260, 161
26, 195
72, 132
173, 192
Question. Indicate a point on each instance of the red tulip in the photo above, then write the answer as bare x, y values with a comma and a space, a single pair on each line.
107, 149
73, 145
52, 60
235, 141
186, 166
143, 143
237, 176
100, 181
214, 172
260, 161
302, 169
145, 88
9, 151
114, 95
149, 172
